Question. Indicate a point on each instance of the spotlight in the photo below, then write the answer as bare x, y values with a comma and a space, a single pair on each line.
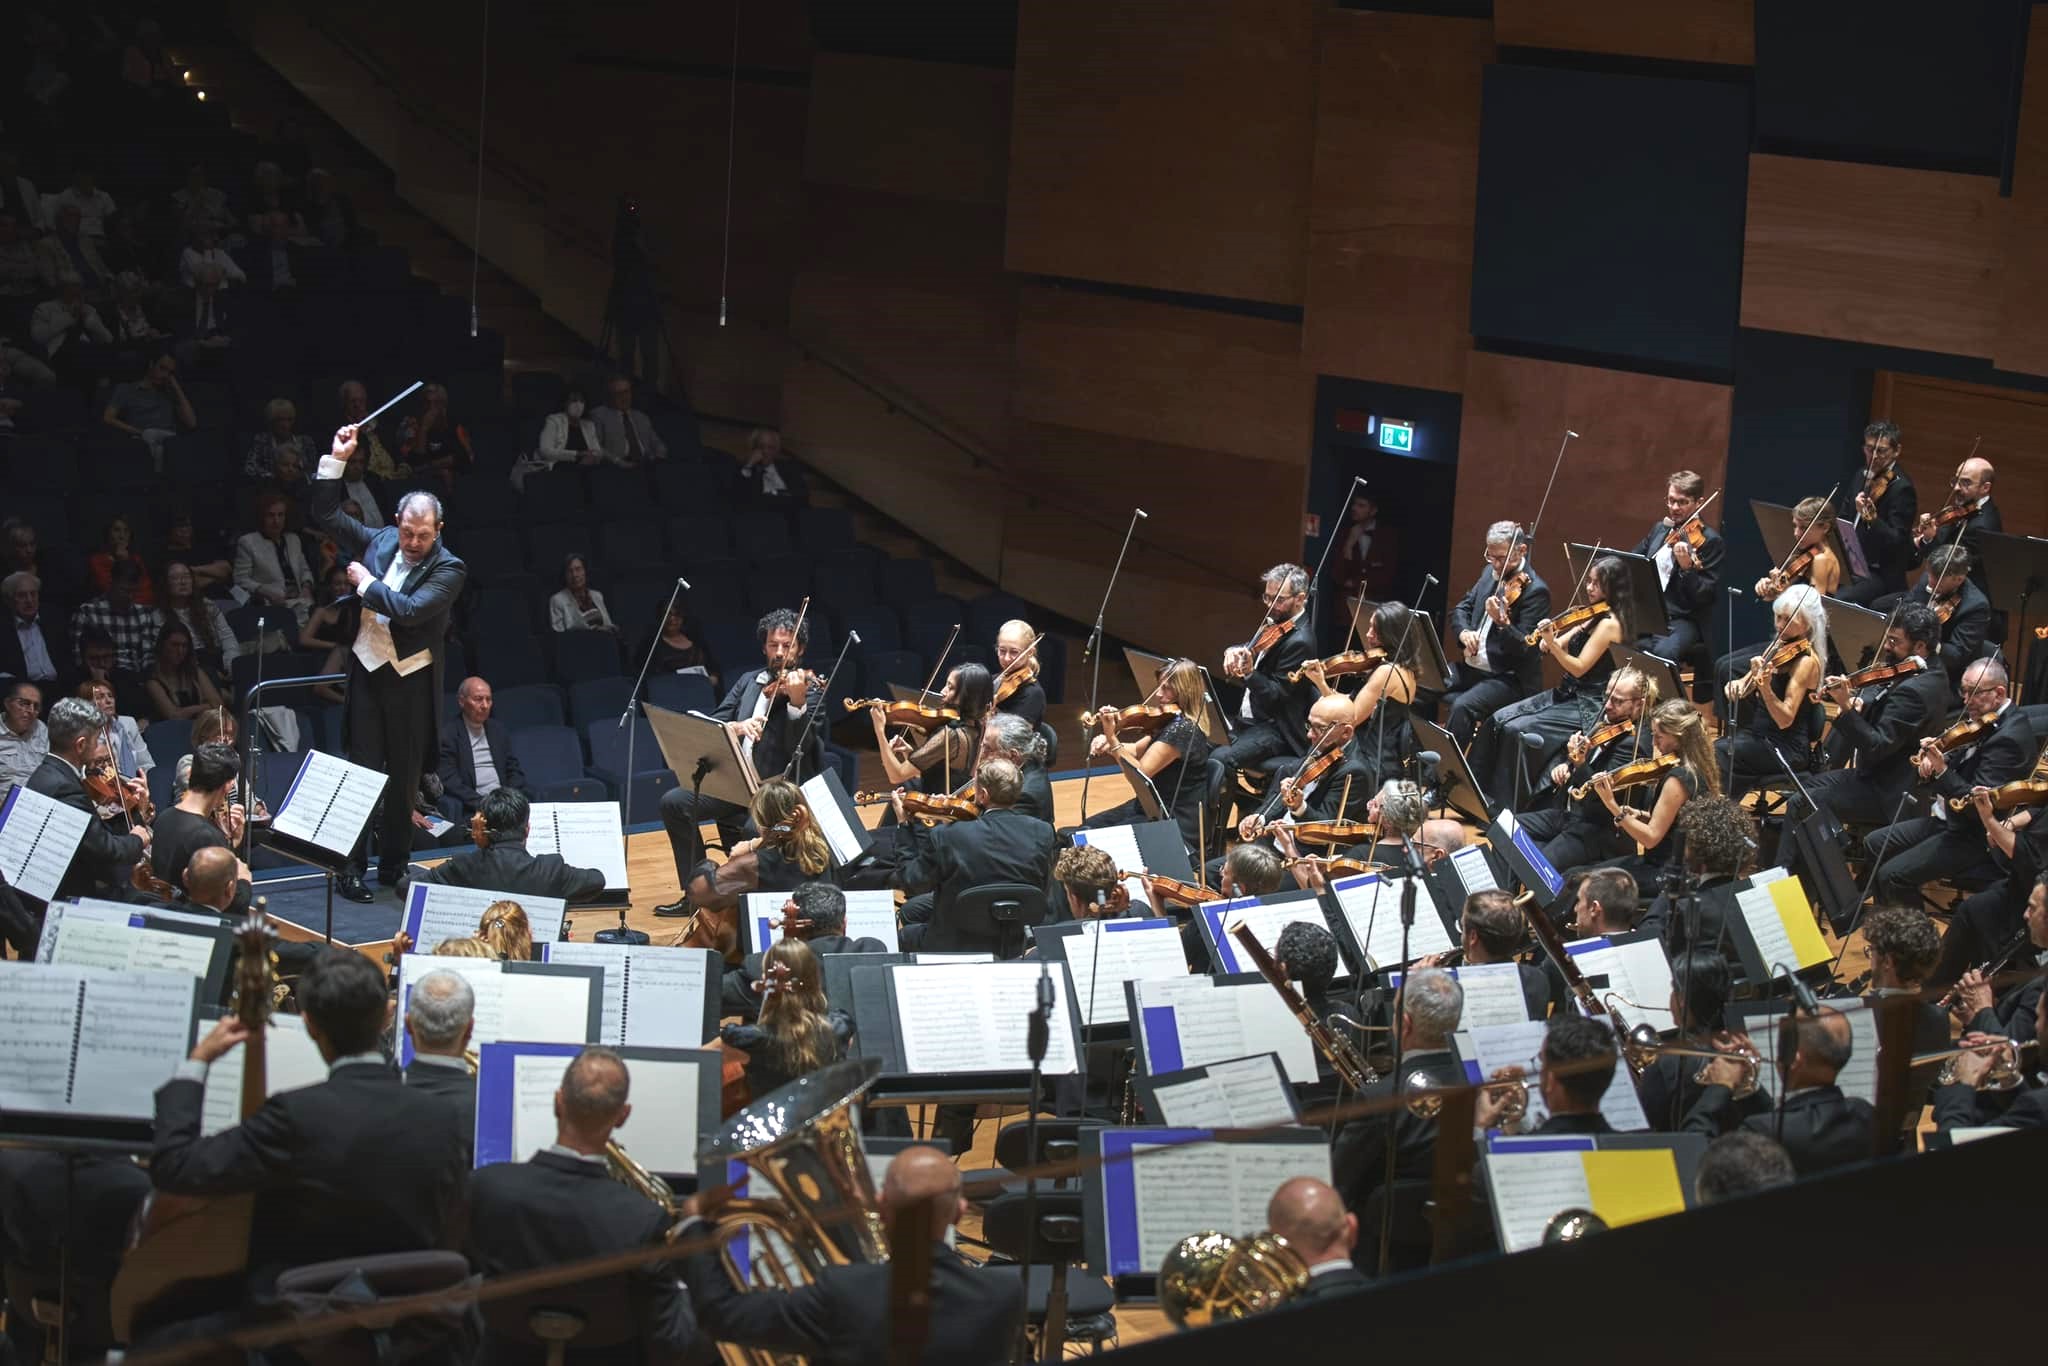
202, 96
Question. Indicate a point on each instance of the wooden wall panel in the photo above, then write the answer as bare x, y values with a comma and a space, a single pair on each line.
926, 129
1186, 377
1676, 30
2022, 340
1633, 431
1941, 418
1393, 201
1164, 144
1873, 254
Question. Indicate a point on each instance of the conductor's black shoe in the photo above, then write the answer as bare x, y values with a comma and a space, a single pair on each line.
349, 887
675, 910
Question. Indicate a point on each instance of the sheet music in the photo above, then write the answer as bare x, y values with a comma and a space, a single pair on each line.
291, 1060
1970, 1134
39, 1020
1265, 922
585, 834
122, 912
973, 1019
1372, 908
87, 940
653, 996
1858, 1077
839, 836
528, 1007
937, 960
1530, 1189
1120, 842
1759, 911
1244, 1093
132, 1032
1493, 994
1639, 973
329, 803
1475, 874
1216, 1023
869, 915
535, 1079
434, 912
1100, 962
1185, 1188
662, 1133
1521, 1045
38, 837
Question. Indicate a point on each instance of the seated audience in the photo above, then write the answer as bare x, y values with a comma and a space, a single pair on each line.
432, 441
212, 640
270, 565
132, 626
578, 606
69, 333
124, 733
476, 753
379, 460
280, 416
152, 409
625, 433
24, 739
206, 250
38, 645
570, 436
179, 689
118, 547
766, 472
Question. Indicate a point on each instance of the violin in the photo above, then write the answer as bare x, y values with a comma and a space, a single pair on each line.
1608, 734
1876, 673
1018, 673
2008, 796
1692, 531
791, 678
1312, 771
1949, 515
1269, 635
478, 835
2041, 633
1146, 720
1944, 608
1569, 621
1795, 570
1511, 591
913, 714
104, 785
932, 806
1172, 890
1633, 774
1777, 658
1878, 485
1336, 832
1344, 665
1967, 731
1338, 866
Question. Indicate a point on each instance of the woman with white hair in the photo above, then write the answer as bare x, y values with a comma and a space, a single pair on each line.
1771, 719
280, 415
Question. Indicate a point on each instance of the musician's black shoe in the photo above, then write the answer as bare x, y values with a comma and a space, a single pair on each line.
675, 910
349, 887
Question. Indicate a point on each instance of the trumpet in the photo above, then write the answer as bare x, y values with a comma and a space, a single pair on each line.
1641, 1047
2005, 1073
1425, 1099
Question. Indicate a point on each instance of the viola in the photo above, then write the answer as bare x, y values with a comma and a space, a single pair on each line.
1269, 635
931, 806
1967, 731
1344, 665
1173, 891
914, 714
1146, 720
1336, 832
2008, 796
1877, 673
1633, 774
1570, 621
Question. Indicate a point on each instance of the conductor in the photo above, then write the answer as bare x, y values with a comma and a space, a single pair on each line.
408, 583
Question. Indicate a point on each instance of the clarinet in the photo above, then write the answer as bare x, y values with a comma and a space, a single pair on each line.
1995, 964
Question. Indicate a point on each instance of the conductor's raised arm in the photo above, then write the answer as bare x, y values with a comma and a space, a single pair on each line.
329, 491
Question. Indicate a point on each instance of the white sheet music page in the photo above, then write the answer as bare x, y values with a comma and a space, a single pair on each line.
1475, 874
329, 803
1100, 962
974, 1017
1254, 1091
1759, 911
534, 1082
1216, 1023
1196, 1103
1639, 973
132, 1033
1180, 1189
1120, 842
653, 995
832, 823
1493, 995
662, 1132
38, 836
291, 1060
1372, 908
39, 1020
1530, 1189
72, 938
434, 912
1266, 923
585, 834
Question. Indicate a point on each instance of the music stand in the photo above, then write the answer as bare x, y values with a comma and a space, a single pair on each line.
1816, 860
1645, 590
703, 755
1856, 564
1854, 632
1774, 520
1457, 786
2015, 570
1215, 718
1656, 668
1141, 787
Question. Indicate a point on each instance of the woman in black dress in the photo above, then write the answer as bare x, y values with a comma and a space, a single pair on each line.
796, 1033
944, 758
1175, 758
1675, 729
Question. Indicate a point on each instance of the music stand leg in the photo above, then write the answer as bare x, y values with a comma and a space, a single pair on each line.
64, 1257
330, 908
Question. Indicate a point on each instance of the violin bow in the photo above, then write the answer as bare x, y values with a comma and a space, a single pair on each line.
1697, 511
1555, 466
1799, 534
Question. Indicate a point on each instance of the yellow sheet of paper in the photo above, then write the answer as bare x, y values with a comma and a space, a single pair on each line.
1631, 1185
1789, 895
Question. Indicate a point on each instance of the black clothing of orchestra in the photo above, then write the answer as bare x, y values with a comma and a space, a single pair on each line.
782, 729
765, 1072
1182, 785
557, 1208
454, 1086
353, 1166
101, 865
1962, 635
1573, 705
1028, 702
1581, 830
1747, 750
1669, 1092
392, 722
36, 1224
458, 763
843, 1318
1882, 736
1514, 667
175, 837
1344, 1280
507, 867
1595, 1123
2011, 1015
1689, 594
1279, 710
1358, 1158
1887, 540
1929, 848
1004, 845
736, 989
1961, 1106
1983, 923
1819, 1126
1678, 927
1984, 519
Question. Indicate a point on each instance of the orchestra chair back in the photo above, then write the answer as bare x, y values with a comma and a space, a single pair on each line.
1054, 1299
585, 1321
996, 914
357, 1282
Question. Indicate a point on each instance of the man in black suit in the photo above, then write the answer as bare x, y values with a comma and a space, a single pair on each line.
1970, 489
102, 863
353, 1166
1701, 984
1943, 843
1498, 666
1431, 1004
1962, 1105
476, 754
770, 711
1272, 720
51, 1203
1493, 930
2009, 1014
1690, 576
1578, 1061
819, 908
440, 1015
505, 866
1003, 845
1819, 1126
38, 644
1884, 525
408, 582
1947, 587
562, 1206
844, 1317
1313, 1220
1573, 832
1880, 726
1008, 735
1028, 701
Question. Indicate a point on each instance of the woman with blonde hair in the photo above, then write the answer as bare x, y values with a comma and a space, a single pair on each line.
461, 948
1174, 757
789, 851
1676, 730
505, 928
797, 1032
1770, 719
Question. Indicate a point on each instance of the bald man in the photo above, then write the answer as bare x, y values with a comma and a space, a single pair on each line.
1344, 793
1029, 700
1819, 1126
215, 880
844, 1316
1971, 488
1313, 1220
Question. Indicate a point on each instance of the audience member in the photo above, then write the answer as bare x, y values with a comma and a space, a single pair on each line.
360, 496
200, 205
570, 435
476, 754
213, 641
270, 565
680, 649
24, 739
627, 436
18, 194
433, 441
280, 415
378, 458
205, 250
118, 547
766, 472
26, 271
84, 195
69, 248
179, 689
132, 627
38, 646
332, 627
69, 331
203, 326
153, 408
578, 606
99, 658
330, 216
124, 733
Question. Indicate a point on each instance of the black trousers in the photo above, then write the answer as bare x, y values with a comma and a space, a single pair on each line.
1680, 636
390, 727
1853, 799
1983, 923
1920, 849
1258, 746
682, 811
1473, 704
1569, 842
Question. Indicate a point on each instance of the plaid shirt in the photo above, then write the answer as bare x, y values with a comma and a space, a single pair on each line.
134, 632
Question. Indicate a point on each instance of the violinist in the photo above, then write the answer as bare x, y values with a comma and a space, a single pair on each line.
815, 913
1769, 709
1175, 758
769, 711
1879, 727
1887, 506
204, 817
789, 850
1317, 791
1580, 831
1272, 718
104, 861
1968, 514
1650, 819
1937, 844
1497, 665
1962, 612
132, 759
1018, 690
1552, 715
1813, 561
942, 757
1005, 845
1379, 711
1688, 554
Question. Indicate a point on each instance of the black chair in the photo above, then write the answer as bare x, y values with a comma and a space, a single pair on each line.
997, 913
1413, 1235
32, 1296
590, 1315
1052, 745
1070, 1309
1059, 1140
352, 1283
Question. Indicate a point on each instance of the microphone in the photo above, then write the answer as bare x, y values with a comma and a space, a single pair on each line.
1428, 756
1802, 994
854, 636
1733, 591
1142, 513
683, 581
1569, 432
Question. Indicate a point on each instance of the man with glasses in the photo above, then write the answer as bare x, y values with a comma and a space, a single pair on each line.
1884, 524
24, 739
1497, 667
1970, 489
1690, 576
1941, 843
623, 431
39, 637
1272, 718
1575, 833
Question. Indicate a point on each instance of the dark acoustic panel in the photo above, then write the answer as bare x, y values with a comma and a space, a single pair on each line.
1610, 216
1902, 82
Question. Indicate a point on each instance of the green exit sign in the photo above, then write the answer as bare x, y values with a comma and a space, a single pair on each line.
1397, 436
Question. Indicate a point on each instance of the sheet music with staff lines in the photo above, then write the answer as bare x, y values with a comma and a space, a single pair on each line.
38, 838
585, 834
973, 1017
329, 803
90, 1041
1186, 1188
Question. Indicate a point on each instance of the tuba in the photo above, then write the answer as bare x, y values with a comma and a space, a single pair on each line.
1212, 1277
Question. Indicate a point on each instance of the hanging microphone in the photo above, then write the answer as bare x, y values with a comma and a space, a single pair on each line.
1734, 592
721, 310
1428, 756
683, 581
1142, 513
853, 636
1569, 432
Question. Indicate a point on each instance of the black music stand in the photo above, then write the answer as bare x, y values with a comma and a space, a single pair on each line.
1432, 667
2015, 571
1656, 668
703, 755
1215, 718
1854, 632
1774, 521
1457, 787
1646, 614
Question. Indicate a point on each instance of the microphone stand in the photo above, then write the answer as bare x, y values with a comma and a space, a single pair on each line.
249, 748
1088, 1019
811, 713
1400, 1005
1869, 882
1092, 650
1400, 651
1037, 1036
623, 934
1728, 726
1315, 597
